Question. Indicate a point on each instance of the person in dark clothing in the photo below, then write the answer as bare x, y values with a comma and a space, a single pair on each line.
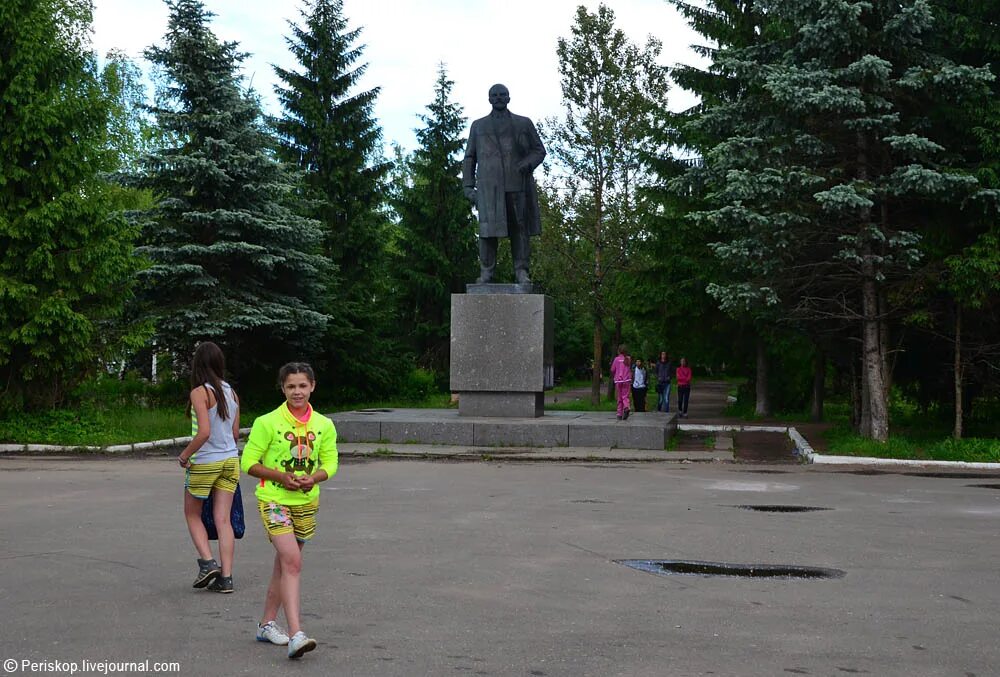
664, 373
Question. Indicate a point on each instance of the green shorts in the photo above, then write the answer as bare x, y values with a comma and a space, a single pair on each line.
201, 478
289, 519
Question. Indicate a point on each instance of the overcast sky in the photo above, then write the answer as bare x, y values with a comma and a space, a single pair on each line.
480, 41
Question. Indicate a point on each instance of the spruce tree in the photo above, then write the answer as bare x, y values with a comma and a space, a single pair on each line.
961, 238
612, 91
231, 262
66, 260
328, 130
436, 247
816, 192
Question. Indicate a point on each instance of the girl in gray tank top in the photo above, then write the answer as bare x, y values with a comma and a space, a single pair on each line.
211, 464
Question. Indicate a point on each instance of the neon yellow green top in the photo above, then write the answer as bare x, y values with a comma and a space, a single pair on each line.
281, 442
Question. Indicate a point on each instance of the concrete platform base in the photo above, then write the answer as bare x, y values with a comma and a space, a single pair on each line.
555, 429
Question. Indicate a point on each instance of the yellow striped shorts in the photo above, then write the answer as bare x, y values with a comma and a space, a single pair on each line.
201, 478
287, 519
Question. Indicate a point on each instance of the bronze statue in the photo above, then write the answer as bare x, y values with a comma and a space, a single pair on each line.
503, 151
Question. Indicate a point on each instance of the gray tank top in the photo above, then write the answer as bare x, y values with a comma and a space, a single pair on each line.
220, 444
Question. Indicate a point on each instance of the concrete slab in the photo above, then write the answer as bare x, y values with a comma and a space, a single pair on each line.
427, 432
557, 428
510, 569
474, 453
507, 433
361, 427
640, 431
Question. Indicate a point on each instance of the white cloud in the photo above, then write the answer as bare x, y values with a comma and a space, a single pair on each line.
481, 41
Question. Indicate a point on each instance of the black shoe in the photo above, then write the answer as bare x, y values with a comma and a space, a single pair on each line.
208, 569
625, 415
618, 417
221, 584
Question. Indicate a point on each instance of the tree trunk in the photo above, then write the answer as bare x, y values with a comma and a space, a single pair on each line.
819, 384
857, 405
875, 410
957, 434
595, 377
763, 406
873, 356
616, 340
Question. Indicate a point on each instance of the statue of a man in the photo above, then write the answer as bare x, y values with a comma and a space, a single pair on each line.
503, 151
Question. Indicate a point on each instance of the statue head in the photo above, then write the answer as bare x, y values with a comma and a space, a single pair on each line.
499, 97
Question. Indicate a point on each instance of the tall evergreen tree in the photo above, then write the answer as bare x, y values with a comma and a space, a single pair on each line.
960, 283
436, 249
66, 260
684, 265
230, 261
328, 130
612, 91
829, 166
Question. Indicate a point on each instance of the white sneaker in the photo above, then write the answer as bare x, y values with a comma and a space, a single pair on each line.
270, 632
300, 644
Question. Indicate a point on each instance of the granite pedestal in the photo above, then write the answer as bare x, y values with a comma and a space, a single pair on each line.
501, 350
651, 430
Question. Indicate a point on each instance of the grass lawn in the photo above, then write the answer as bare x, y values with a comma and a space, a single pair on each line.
95, 427
939, 447
125, 424
582, 405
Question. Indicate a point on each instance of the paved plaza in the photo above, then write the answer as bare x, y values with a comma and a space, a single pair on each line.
498, 568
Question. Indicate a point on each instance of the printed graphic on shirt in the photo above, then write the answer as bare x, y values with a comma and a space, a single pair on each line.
300, 453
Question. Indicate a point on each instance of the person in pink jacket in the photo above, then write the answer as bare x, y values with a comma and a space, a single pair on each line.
621, 374
683, 376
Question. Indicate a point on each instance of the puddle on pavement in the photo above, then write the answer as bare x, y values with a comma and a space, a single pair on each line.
984, 486
730, 570
369, 412
781, 508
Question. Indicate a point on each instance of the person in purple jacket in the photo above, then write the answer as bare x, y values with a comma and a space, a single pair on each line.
621, 374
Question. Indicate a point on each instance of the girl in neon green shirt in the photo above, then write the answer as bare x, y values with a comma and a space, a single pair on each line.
290, 450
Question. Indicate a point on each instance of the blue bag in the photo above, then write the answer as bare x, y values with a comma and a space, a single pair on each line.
235, 516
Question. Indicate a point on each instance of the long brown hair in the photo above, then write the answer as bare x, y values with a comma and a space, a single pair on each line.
207, 366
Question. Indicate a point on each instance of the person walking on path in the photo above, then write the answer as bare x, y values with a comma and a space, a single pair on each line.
211, 464
291, 450
621, 375
639, 386
664, 370
683, 387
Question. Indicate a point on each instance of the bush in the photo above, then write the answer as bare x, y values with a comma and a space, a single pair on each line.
418, 385
109, 391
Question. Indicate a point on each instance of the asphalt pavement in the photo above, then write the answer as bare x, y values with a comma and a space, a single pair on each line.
499, 568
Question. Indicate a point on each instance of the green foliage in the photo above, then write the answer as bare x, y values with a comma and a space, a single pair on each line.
819, 154
419, 385
843, 442
131, 132
106, 391
595, 216
435, 253
94, 426
231, 262
583, 405
66, 261
327, 129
